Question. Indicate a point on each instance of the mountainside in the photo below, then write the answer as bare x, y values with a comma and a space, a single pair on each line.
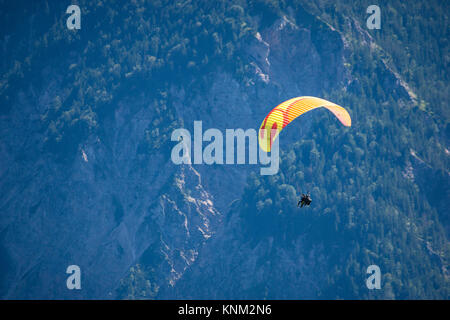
86, 175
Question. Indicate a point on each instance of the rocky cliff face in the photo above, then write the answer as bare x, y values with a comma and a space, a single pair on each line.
111, 206
103, 212
286, 61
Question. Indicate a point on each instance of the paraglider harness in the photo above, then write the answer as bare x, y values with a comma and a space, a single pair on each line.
305, 200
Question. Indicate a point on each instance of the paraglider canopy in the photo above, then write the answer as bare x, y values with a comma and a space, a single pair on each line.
283, 114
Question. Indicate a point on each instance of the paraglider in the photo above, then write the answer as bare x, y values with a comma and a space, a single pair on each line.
283, 114
305, 200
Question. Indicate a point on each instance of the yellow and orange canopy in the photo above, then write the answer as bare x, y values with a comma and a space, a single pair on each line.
284, 113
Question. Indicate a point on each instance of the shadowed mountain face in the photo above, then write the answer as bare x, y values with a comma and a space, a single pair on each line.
86, 175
